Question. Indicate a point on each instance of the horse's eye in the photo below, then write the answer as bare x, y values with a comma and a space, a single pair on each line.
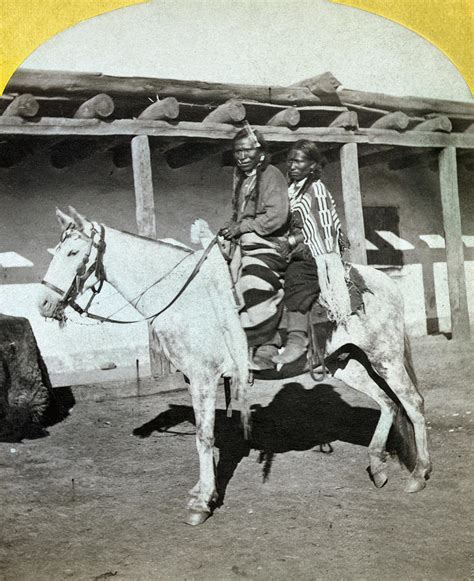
72, 252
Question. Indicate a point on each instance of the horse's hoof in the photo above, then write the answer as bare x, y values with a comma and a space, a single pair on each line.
197, 517
380, 479
415, 484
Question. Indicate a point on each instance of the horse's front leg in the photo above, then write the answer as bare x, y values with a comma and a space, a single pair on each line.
203, 394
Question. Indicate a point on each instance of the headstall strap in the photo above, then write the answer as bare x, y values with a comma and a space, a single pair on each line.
82, 272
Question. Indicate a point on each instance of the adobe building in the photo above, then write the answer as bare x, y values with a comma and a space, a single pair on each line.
152, 155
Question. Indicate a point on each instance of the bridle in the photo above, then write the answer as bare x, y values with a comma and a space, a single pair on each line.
68, 297
83, 273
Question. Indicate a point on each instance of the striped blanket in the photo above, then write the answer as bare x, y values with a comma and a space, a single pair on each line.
320, 222
257, 270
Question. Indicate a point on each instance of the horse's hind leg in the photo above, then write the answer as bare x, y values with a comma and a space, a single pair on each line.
203, 394
354, 375
411, 400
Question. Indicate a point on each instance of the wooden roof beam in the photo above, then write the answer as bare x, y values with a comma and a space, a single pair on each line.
233, 111
55, 83
201, 132
99, 106
396, 120
22, 106
166, 110
347, 120
289, 117
435, 123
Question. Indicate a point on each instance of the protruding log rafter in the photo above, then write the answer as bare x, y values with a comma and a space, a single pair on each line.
427, 158
66, 152
396, 120
435, 123
231, 112
289, 117
165, 109
161, 110
99, 106
22, 106
399, 159
185, 153
347, 119
14, 151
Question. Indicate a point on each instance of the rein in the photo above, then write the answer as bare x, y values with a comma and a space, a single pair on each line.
69, 297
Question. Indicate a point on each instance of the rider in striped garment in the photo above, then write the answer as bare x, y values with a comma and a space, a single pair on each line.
314, 247
259, 224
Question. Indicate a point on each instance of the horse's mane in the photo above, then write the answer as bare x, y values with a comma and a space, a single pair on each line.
155, 241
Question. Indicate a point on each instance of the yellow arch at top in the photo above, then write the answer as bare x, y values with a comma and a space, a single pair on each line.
26, 24
448, 24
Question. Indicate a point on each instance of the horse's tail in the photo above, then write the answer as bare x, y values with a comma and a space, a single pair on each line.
403, 428
404, 439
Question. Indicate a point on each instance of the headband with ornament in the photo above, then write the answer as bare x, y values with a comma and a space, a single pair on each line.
251, 135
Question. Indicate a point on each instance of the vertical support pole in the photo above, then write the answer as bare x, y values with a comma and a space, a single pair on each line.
144, 197
448, 180
146, 224
353, 202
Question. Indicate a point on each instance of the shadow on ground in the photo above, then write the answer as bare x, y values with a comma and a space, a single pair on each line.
296, 419
18, 426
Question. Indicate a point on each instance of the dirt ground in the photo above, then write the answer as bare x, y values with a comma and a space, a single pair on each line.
93, 501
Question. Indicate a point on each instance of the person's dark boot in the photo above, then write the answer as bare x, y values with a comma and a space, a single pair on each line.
263, 356
295, 347
297, 342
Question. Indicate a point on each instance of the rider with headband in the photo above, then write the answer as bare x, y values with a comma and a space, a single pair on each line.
259, 223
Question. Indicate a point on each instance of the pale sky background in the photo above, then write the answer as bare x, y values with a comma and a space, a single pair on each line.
276, 42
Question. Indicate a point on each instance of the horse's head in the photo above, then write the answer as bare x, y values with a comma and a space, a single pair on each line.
76, 265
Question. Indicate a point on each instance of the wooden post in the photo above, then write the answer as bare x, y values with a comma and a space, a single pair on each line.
145, 203
145, 214
353, 202
448, 180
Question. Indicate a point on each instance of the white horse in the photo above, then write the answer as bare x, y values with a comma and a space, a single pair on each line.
201, 335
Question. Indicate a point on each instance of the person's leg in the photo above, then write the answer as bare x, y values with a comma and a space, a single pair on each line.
297, 342
301, 290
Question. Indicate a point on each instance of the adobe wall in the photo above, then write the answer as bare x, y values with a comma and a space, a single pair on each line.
30, 192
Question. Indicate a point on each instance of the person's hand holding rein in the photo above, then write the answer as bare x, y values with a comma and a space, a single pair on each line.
230, 231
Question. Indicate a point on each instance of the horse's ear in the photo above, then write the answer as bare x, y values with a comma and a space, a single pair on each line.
64, 219
81, 221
